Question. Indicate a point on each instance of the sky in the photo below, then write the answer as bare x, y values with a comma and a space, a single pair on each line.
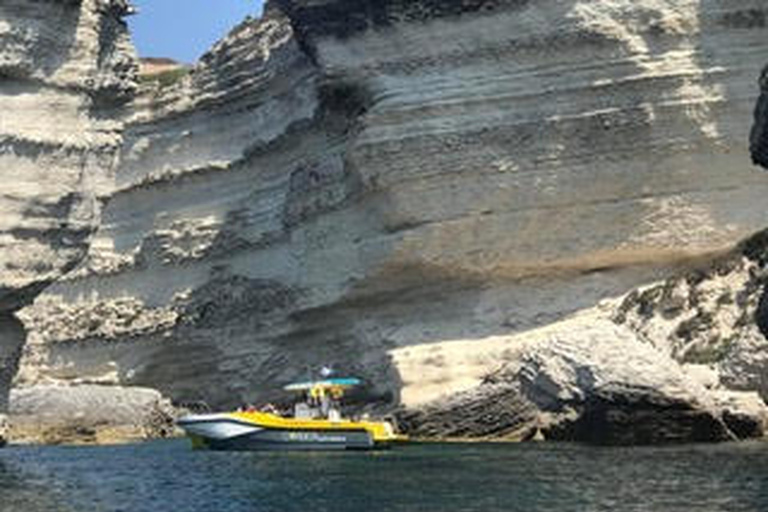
184, 29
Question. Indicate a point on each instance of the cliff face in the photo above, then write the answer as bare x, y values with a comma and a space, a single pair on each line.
759, 137
66, 68
399, 187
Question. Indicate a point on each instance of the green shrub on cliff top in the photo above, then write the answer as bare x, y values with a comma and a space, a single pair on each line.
165, 78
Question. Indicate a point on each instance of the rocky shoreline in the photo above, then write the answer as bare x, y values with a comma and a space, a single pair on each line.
676, 361
599, 386
89, 414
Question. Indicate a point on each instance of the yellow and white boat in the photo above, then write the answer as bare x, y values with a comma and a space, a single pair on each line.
317, 424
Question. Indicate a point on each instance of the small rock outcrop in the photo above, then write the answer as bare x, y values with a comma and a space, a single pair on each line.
89, 414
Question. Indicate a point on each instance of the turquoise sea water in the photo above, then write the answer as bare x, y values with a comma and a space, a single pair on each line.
168, 476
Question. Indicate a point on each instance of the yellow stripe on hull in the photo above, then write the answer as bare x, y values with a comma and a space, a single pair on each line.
380, 431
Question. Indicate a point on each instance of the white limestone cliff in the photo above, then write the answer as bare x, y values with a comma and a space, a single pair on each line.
66, 68
407, 190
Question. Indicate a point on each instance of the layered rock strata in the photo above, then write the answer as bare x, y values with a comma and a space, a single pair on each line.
587, 379
66, 69
408, 190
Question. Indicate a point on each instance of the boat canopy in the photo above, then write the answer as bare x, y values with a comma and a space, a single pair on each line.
324, 384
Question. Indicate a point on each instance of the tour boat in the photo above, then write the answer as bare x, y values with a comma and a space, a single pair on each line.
316, 424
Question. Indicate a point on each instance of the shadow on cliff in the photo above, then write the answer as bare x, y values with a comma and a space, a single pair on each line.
758, 140
12, 338
234, 342
63, 20
237, 343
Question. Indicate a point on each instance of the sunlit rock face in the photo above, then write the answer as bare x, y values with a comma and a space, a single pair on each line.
397, 187
66, 68
587, 379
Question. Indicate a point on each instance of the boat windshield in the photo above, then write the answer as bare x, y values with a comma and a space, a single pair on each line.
322, 397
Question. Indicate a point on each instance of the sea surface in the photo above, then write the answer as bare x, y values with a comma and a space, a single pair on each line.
168, 476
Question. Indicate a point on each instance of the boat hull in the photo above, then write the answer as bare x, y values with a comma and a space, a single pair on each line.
271, 440
226, 433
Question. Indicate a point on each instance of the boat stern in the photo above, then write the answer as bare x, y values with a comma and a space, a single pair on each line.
384, 433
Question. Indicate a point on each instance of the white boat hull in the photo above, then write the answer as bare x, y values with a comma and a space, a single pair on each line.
225, 432
216, 426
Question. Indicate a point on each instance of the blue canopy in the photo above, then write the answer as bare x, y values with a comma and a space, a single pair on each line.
325, 383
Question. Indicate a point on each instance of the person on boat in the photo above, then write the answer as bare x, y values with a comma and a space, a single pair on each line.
325, 405
270, 409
